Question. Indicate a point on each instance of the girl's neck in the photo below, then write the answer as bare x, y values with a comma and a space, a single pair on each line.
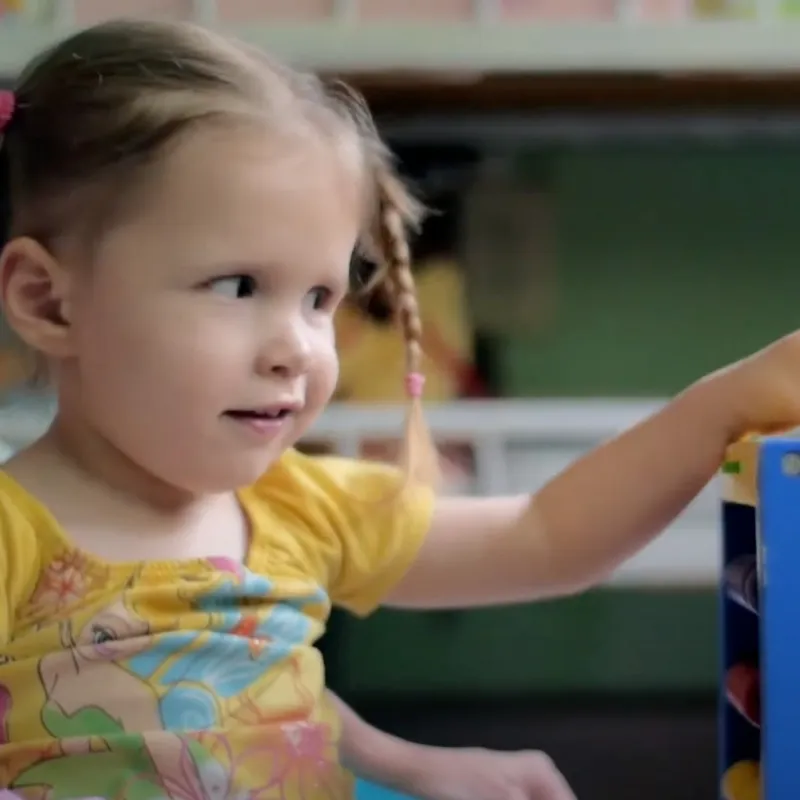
77, 448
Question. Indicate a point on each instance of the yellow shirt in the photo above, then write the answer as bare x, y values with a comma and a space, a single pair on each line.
193, 680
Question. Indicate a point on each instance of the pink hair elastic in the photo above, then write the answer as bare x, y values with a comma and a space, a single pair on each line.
415, 382
8, 104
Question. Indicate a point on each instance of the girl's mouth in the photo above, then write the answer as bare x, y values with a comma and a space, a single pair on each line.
261, 421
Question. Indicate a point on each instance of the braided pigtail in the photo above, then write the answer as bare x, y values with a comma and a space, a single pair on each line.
397, 211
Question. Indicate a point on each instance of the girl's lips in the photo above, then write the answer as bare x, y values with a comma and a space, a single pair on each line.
261, 422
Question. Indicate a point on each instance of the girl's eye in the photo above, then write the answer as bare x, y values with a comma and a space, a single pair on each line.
234, 286
320, 297
101, 635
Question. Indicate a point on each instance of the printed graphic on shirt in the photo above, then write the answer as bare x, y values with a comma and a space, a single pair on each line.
203, 688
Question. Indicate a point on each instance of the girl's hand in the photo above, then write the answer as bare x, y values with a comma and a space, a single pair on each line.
477, 774
762, 392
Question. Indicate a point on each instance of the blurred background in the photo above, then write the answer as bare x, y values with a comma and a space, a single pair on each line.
616, 188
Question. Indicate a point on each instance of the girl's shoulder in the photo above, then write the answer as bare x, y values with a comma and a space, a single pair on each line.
313, 480
354, 525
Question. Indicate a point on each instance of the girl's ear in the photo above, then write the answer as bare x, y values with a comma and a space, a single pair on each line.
35, 296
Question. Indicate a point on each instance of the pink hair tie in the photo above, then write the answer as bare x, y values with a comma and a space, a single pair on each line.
8, 104
415, 382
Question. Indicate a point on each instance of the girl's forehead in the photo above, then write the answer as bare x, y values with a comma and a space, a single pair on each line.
246, 165
239, 194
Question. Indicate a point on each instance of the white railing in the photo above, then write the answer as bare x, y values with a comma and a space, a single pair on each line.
517, 446
496, 430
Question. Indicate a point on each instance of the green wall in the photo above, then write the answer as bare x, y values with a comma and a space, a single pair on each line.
608, 641
671, 262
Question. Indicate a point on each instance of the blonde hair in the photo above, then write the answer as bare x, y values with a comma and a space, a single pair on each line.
97, 110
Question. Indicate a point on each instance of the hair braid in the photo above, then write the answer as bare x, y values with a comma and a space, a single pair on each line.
396, 212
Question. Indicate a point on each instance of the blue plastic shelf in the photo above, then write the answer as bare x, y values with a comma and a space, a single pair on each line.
761, 519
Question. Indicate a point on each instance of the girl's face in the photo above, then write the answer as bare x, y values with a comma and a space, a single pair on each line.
202, 338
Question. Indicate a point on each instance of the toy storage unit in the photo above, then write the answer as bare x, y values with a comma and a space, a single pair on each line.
760, 621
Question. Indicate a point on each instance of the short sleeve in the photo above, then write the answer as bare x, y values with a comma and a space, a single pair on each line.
361, 526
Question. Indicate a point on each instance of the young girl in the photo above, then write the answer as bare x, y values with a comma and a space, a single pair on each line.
183, 215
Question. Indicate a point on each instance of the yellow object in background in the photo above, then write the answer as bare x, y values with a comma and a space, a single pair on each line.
16, 368
742, 9
742, 781
372, 354
373, 362
11, 6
